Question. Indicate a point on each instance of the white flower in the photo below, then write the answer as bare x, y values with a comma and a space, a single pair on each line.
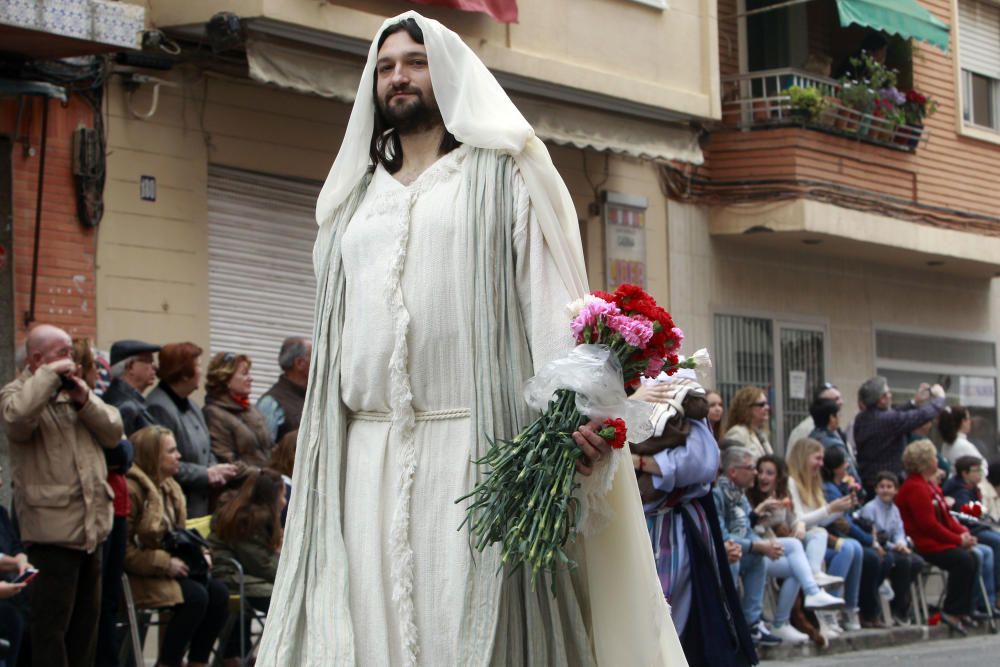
575, 307
702, 359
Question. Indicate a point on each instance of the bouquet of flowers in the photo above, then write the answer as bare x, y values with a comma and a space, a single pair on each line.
526, 501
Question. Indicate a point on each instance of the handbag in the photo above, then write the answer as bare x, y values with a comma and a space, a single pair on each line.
188, 545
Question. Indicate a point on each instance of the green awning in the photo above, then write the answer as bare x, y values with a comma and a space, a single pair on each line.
906, 18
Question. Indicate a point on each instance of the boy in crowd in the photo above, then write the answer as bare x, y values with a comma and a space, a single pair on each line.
905, 564
963, 488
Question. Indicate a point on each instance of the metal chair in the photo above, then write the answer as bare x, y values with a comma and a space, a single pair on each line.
239, 600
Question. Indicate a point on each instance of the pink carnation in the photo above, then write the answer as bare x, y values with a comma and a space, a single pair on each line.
678, 337
636, 330
590, 313
654, 367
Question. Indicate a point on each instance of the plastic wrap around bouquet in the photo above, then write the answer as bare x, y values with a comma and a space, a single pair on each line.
526, 499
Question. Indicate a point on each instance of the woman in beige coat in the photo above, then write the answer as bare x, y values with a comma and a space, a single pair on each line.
158, 579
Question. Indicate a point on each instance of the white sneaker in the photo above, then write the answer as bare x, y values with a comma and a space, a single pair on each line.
829, 627
885, 591
823, 600
789, 635
823, 580
851, 622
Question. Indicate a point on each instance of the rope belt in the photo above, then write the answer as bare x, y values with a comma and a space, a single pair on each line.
429, 416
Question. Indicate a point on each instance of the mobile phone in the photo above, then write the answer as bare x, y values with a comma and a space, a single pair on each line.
66, 383
26, 576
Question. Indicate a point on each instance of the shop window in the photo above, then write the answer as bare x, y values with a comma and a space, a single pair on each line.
979, 56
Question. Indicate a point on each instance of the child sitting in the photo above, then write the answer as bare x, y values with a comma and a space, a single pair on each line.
963, 488
905, 565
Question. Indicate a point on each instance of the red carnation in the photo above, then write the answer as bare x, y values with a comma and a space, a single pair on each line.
614, 432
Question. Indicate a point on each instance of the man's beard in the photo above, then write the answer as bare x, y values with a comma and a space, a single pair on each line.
412, 117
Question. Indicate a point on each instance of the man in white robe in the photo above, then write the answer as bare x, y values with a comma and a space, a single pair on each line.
448, 249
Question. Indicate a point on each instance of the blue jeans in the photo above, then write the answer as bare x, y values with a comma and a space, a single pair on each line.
846, 563
984, 556
794, 568
752, 570
991, 538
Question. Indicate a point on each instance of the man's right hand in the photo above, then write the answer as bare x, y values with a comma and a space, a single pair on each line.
9, 564
733, 551
937, 391
177, 568
61, 366
221, 473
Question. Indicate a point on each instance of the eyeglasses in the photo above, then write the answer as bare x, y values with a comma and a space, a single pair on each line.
760, 404
746, 467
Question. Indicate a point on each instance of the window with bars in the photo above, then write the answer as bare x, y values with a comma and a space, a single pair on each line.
979, 57
787, 360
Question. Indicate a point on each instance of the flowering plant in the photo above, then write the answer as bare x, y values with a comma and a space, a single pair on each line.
973, 509
917, 106
526, 501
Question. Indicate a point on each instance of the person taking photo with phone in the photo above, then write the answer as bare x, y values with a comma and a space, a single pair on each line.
57, 429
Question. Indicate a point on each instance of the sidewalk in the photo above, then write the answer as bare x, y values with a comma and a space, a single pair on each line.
865, 639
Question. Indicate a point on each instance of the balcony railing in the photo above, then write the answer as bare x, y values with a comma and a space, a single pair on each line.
759, 99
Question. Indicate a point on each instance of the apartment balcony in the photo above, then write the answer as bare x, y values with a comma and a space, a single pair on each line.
761, 100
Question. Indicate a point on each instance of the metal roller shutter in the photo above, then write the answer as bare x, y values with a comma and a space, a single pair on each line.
261, 285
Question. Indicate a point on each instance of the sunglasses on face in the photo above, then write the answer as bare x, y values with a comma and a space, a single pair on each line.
760, 404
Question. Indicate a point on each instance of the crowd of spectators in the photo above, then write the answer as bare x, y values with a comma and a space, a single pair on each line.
108, 470
106, 478
838, 529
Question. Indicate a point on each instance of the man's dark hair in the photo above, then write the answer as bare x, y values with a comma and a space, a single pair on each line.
821, 410
886, 475
385, 146
966, 463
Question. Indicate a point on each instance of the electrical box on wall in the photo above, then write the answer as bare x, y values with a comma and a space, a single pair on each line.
88, 160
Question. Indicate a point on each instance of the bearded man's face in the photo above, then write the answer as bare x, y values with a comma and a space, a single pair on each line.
403, 88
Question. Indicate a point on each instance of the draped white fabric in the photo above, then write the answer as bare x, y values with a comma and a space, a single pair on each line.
478, 112
626, 619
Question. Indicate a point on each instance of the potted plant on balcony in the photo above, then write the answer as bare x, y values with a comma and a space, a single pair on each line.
888, 109
806, 103
916, 108
856, 97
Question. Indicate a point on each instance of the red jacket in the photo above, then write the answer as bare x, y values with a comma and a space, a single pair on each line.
926, 517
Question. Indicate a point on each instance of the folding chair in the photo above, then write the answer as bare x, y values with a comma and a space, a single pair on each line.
139, 622
239, 600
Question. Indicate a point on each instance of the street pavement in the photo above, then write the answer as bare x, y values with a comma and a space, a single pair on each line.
979, 651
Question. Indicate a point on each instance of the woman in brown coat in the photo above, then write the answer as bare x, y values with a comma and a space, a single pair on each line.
158, 579
238, 430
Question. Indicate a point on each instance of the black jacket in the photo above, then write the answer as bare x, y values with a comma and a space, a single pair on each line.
130, 404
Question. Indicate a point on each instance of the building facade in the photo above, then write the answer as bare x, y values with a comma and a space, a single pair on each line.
807, 251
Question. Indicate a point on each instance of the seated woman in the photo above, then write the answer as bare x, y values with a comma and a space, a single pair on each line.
198, 604
749, 415
283, 462
844, 555
800, 565
875, 567
238, 430
937, 536
247, 528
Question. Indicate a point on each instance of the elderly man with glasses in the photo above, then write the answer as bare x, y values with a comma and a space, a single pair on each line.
133, 370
